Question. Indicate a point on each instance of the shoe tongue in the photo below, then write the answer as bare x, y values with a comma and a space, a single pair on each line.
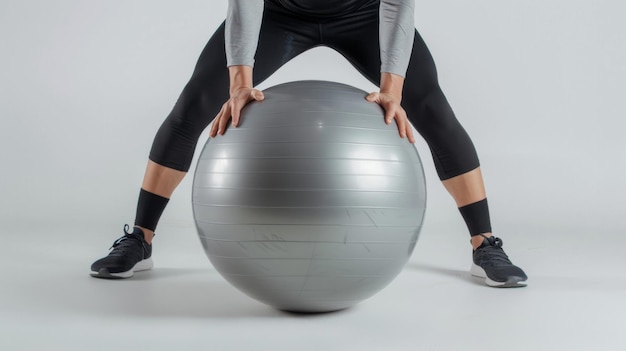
488, 241
137, 231
484, 244
140, 235
492, 241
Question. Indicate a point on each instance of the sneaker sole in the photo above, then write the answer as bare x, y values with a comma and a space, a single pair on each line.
143, 265
513, 282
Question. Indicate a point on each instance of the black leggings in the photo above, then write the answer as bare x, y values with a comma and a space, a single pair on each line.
284, 35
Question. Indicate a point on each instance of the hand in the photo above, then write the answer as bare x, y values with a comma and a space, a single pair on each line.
232, 109
393, 110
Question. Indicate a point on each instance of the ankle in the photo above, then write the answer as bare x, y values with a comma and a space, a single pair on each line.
147, 234
477, 240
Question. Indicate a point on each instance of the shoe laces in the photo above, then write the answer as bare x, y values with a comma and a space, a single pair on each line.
492, 252
126, 242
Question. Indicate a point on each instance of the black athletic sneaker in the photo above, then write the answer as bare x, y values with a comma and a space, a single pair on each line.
491, 263
130, 253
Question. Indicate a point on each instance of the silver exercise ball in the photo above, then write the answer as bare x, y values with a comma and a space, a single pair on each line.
313, 203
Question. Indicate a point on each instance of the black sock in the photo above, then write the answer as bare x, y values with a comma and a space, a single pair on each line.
149, 209
476, 216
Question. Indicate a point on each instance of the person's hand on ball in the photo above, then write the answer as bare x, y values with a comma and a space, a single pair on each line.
239, 98
393, 111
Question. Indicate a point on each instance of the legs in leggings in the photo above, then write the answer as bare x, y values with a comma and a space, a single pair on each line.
354, 37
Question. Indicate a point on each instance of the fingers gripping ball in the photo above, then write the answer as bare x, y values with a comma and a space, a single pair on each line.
313, 203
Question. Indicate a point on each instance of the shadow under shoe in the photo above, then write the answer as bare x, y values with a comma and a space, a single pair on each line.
129, 254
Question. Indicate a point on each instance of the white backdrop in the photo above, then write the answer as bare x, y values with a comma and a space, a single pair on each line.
539, 85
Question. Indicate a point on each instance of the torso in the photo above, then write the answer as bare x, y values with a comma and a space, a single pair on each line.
323, 8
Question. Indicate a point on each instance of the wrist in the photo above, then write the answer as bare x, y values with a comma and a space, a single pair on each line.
391, 84
240, 77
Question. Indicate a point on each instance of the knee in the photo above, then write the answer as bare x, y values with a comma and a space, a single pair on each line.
430, 110
192, 113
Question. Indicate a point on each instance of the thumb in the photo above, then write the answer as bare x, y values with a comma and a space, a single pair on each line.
372, 97
258, 95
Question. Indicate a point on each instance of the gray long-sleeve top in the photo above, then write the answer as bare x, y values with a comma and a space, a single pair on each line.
396, 31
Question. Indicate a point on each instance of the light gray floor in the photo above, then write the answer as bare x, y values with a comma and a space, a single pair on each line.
575, 300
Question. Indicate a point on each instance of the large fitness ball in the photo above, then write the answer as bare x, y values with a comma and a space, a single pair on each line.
313, 203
